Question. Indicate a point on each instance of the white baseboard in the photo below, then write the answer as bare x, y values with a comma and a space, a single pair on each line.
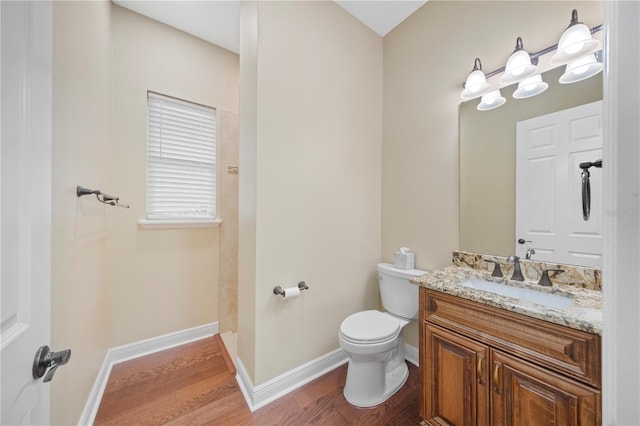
411, 354
261, 395
135, 350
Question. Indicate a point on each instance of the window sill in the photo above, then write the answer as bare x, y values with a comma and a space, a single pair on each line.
177, 224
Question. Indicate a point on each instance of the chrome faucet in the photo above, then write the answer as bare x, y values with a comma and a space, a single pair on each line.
517, 272
530, 252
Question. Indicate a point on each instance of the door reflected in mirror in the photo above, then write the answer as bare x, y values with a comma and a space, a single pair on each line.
550, 150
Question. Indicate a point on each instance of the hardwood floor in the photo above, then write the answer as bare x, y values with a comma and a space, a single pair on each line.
194, 384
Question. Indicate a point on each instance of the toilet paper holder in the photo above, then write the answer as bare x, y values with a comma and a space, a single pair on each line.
279, 290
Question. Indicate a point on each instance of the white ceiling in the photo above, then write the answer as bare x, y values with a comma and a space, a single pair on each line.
381, 16
217, 21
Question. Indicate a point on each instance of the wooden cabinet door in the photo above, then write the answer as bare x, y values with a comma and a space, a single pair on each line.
456, 379
524, 394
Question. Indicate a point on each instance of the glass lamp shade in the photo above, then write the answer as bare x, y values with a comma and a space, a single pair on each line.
575, 42
518, 67
530, 87
581, 69
475, 86
491, 100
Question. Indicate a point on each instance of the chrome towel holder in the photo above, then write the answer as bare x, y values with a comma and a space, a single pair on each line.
101, 196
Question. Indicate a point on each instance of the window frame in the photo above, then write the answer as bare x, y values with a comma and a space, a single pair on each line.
178, 161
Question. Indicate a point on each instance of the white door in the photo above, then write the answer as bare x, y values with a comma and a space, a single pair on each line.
549, 215
25, 210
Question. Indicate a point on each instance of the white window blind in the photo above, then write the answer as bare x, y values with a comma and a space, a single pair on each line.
181, 159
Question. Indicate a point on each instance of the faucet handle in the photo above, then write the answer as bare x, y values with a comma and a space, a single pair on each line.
545, 280
497, 272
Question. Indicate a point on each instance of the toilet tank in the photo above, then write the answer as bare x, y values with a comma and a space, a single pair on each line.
399, 296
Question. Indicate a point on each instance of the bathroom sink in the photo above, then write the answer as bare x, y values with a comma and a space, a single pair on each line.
538, 297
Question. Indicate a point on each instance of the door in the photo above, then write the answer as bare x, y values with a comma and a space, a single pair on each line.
549, 215
456, 379
25, 211
523, 394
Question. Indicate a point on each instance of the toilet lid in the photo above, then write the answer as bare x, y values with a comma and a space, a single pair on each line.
370, 327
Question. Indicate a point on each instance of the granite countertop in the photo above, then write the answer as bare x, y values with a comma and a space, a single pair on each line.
585, 313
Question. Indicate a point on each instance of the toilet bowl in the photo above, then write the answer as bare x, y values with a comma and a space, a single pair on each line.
377, 367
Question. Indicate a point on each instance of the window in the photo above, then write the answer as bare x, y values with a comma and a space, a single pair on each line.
181, 160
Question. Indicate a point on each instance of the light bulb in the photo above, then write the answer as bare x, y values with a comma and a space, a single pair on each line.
491, 100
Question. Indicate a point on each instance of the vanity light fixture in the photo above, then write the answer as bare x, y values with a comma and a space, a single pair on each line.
575, 42
576, 49
529, 87
491, 100
476, 84
518, 66
581, 69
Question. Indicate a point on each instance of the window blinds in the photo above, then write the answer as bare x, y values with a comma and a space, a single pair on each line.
181, 159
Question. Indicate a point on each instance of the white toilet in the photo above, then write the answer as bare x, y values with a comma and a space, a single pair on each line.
377, 368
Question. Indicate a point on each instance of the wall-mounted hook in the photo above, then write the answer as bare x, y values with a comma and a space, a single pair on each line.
102, 197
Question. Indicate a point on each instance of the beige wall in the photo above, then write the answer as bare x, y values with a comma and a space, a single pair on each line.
228, 141
426, 60
114, 283
173, 274
80, 276
317, 180
247, 183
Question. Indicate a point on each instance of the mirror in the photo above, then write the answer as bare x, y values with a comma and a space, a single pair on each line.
487, 159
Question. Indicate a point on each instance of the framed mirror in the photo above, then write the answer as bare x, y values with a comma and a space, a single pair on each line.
488, 159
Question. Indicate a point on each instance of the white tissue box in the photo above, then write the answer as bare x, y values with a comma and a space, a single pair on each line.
403, 260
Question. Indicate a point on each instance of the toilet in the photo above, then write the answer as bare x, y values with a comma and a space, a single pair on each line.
372, 341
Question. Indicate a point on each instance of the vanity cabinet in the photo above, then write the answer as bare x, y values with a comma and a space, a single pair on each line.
482, 365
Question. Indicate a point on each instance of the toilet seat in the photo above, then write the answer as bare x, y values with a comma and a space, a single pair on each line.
370, 327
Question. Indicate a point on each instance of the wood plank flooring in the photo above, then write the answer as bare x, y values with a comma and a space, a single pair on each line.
194, 384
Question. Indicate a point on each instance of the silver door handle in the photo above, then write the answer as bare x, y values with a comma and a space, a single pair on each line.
46, 362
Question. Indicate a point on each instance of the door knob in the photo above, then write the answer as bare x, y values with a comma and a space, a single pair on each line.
46, 362
522, 241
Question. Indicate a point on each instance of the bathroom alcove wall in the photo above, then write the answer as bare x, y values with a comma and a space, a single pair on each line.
163, 280
113, 282
228, 143
310, 131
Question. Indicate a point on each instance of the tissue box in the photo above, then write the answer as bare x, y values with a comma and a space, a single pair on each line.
403, 260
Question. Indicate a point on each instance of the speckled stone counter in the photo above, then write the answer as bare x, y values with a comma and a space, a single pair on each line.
585, 313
